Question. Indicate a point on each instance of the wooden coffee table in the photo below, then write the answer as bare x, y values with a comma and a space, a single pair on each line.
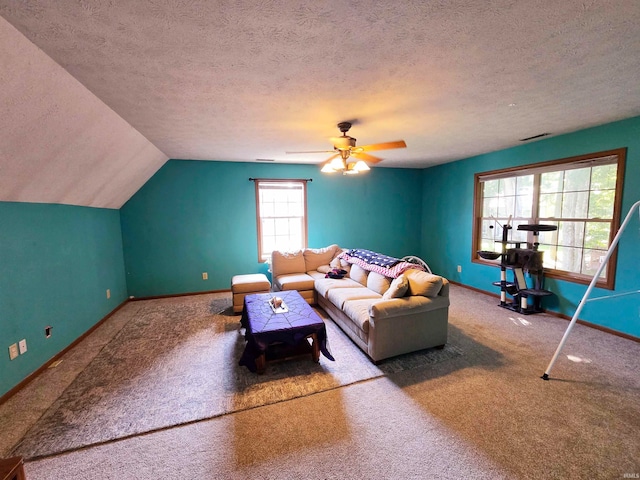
270, 334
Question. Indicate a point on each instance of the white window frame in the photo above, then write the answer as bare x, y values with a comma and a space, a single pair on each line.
292, 217
532, 215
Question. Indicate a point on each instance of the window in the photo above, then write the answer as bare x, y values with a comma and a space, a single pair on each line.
581, 196
281, 207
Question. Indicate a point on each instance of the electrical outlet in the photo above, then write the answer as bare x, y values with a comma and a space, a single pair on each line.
13, 351
205, 276
459, 268
108, 293
22, 346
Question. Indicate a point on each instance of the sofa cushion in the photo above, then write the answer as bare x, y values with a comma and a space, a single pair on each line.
316, 275
423, 283
324, 285
358, 312
398, 288
315, 257
358, 274
295, 281
378, 283
338, 296
284, 263
338, 262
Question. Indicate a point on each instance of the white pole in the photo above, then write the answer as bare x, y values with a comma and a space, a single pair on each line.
589, 289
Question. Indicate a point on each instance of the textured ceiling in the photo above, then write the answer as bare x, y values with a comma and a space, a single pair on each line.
242, 80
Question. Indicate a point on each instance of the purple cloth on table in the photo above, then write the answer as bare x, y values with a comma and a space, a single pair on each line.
264, 326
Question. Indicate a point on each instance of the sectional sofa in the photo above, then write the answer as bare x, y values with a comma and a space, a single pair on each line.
386, 312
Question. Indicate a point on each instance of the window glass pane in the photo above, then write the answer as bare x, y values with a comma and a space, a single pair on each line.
282, 226
550, 205
519, 235
549, 256
268, 245
601, 204
576, 180
551, 182
268, 227
489, 245
281, 209
604, 177
524, 185
491, 188
490, 207
295, 209
575, 205
592, 261
267, 210
571, 234
506, 206
550, 238
487, 231
569, 259
524, 205
507, 186
597, 235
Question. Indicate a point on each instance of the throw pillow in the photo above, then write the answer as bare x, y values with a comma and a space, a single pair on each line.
358, 274
397, 289
423, 283
378, 283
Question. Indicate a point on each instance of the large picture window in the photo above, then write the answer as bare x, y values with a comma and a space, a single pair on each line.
281, 207
581, 196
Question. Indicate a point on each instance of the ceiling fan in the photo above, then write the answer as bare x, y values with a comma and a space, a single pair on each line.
351, 159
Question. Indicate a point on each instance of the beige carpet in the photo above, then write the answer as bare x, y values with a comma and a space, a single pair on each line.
175, 361
484, 414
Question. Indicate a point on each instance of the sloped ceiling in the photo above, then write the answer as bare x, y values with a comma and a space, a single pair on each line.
58, 142
242, 80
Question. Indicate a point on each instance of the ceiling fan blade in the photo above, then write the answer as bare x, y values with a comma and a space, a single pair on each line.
311, 151
370, 159
384, 146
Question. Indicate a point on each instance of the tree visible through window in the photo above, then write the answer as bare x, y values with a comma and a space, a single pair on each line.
581, 196
281, 207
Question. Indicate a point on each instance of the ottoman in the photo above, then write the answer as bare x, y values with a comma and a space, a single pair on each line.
242, 285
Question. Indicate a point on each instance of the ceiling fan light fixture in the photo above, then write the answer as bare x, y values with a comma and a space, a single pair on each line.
338, 163
361, 166
327, 168
344, 143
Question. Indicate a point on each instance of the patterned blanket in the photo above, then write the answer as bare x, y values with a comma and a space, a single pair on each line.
373, 258
397, 268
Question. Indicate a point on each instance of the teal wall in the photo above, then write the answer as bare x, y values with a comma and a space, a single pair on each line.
57, 263
198, 216
448, 220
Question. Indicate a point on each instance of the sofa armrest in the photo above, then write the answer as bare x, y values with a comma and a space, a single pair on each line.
444, 291
397, 307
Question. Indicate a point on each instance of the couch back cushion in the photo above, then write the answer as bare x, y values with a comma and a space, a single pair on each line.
316, 257
358, 274
398, 288
284, 263
378, 283
423, 283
